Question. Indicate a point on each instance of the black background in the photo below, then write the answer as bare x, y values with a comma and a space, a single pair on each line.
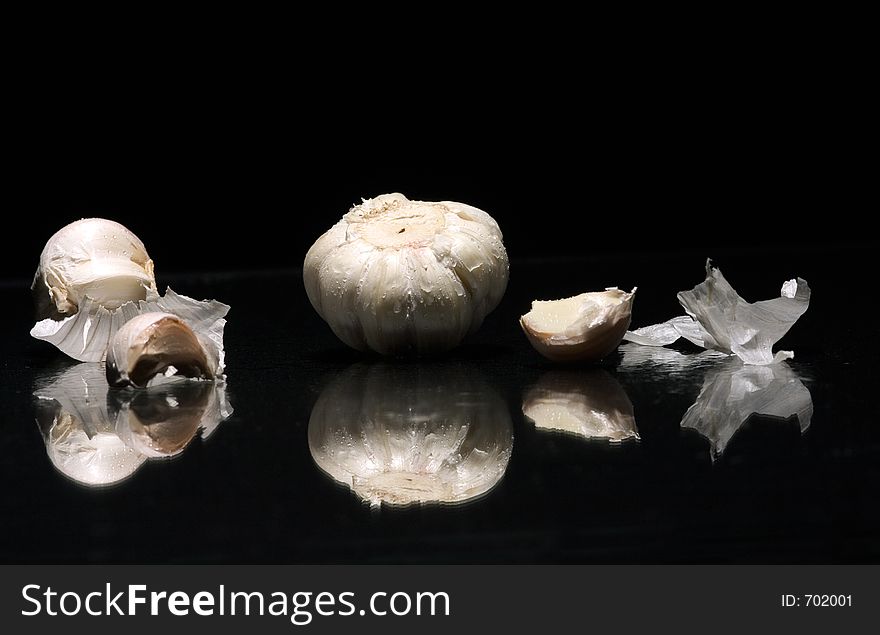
602, 166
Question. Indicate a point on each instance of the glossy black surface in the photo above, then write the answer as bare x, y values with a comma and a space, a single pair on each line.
253, 493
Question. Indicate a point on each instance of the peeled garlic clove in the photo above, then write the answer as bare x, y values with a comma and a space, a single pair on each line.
95, 258
153, 343
399, 435
396, 276
584, 328
592, 405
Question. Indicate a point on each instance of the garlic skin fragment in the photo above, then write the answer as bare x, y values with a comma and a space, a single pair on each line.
592, 405
583, 328
400, 277
399, 436
95, 258
153, 343
719, 319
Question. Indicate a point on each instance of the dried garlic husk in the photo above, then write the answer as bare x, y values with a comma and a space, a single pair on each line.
719, 319
733, 392
583, 328
402, 435
592, 405
396, 276
94, 276
98, 437
154, 343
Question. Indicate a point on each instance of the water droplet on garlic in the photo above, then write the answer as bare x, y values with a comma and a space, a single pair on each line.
583, 328
396, 276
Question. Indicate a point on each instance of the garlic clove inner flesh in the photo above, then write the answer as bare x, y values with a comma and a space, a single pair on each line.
585, 327
152, 343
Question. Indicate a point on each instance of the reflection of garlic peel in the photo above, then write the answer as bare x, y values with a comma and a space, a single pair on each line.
399, 435
585, 327
591, 405
734, 391
397, 276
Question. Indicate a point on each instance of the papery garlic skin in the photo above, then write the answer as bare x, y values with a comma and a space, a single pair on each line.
397, 277
95, 258
583, 328
150, 344
398, 435
591, 405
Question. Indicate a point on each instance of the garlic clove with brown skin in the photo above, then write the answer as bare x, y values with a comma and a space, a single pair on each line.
583, 328
150, 344
402, 277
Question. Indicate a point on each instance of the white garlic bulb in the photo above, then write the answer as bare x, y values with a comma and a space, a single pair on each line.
153, 343
592, 405
583, 328
396, 276
400, 435
95, 258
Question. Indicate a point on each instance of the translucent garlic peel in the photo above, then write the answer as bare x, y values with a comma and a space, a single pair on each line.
95, 258
396, 276
150, 344
399, 437
586, 327
719, 319
591, 405
86, 335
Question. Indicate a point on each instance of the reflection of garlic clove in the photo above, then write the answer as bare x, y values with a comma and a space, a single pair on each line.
402, 435
163, 420
98, 437
585, 327
152, 343
397, 276
591, 405
92, 257
80, 435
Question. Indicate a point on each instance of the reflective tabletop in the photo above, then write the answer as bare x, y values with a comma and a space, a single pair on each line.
311, 452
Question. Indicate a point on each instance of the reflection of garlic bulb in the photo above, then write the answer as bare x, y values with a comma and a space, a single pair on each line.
397, 276
403, 435
590, 404
99, 437
92, 257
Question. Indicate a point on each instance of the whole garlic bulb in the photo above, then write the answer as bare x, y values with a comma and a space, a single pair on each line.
95, 258
397, 276
399, 435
